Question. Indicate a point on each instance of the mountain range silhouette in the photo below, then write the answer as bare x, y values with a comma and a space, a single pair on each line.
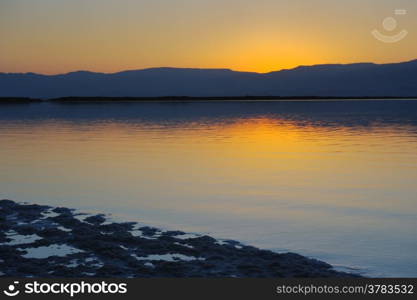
332, 80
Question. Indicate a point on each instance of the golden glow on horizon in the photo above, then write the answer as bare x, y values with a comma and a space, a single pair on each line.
53, 37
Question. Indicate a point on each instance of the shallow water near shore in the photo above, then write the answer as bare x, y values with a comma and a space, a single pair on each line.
327, 179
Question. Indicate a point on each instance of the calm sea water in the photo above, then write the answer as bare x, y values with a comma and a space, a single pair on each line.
332, 180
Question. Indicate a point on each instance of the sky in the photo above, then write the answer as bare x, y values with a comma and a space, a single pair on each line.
59, 36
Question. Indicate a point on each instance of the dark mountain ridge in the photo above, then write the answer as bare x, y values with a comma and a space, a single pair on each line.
331, 80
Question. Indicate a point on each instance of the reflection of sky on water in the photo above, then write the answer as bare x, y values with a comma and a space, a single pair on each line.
328, 179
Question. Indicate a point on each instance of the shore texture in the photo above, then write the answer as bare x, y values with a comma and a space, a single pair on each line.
43, 241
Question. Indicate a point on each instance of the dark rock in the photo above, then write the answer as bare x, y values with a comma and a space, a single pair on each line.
111, 250
95, 220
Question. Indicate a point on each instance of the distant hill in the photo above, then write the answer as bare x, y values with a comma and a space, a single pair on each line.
352, 80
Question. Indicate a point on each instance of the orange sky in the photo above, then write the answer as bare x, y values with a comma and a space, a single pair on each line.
49, 36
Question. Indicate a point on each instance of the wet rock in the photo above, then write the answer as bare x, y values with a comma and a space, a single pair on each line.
106, 249
95, 220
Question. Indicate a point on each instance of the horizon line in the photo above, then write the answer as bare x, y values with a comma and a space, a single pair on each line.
198, 68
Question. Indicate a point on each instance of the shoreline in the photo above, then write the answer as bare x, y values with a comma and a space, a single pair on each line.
27, 100
44, 241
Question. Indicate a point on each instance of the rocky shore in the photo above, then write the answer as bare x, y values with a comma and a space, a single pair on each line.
43, 241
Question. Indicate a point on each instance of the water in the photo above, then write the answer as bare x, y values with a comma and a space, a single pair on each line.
332, 180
